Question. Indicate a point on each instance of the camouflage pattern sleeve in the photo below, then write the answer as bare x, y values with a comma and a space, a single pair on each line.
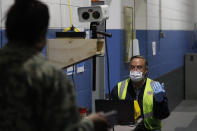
61, 109
35, 96
70, 110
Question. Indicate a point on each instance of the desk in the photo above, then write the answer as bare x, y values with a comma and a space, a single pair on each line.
126, 127
123, 128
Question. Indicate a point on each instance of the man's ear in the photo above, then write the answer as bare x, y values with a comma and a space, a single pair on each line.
146, 70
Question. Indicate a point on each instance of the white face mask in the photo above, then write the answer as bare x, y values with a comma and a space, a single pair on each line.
136, 76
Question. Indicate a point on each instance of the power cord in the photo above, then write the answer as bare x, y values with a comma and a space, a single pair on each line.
71, 28
70, 13
1, 38
73, 79
108, 71
1, 31
93, 27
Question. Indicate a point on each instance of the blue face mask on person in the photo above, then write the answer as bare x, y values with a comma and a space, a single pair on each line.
136, 76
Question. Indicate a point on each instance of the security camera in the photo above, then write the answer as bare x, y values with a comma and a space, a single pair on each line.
93, 13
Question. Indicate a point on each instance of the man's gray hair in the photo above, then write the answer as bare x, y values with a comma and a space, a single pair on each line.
141, 57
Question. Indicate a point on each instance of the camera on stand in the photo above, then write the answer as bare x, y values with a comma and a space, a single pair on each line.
93, 13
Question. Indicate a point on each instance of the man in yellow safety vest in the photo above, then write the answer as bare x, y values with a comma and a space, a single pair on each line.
150, 103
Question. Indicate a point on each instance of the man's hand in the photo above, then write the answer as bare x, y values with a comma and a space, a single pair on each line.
158, 91
100, 122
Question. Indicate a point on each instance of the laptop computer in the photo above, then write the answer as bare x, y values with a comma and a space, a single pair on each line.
124, 108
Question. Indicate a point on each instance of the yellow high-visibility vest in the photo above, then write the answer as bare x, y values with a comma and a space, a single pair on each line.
149, 121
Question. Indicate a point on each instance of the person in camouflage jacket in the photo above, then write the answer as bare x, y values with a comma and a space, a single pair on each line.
34, 95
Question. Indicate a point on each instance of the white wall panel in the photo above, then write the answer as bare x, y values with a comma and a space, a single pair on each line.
5, 5
76, 2
153, 2
125, 3
115, 18
59, 13
141, 15
55, 13
116, 13
153, 22
153, 15
180, 13
65, 20
80, 2
51, 1
0, 14
175, 14
195, 15
64, 2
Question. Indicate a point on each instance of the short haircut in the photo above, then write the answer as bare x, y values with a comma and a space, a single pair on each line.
27, 21
141, 57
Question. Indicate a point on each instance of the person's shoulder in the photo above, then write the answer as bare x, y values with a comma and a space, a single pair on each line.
151, 80
116, 86
154, 81
39, 66
128, 80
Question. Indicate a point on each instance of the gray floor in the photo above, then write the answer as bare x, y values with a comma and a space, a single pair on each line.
182, 118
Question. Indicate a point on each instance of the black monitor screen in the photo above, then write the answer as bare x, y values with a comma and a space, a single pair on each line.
124, 108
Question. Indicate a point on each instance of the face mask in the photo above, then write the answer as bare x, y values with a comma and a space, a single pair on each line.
136, 76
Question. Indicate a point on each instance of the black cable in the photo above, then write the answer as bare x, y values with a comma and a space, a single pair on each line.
1, 31
93, 28
73, 76
108, 73
1, 34
113, 127
94, 73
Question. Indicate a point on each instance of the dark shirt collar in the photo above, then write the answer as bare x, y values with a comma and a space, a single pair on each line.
132, 91
130, 82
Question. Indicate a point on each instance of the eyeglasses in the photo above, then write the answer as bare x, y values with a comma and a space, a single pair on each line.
139, 67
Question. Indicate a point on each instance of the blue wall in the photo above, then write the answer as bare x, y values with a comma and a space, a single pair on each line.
170, 52
3, 39
0, 38
170, 56
83, 85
